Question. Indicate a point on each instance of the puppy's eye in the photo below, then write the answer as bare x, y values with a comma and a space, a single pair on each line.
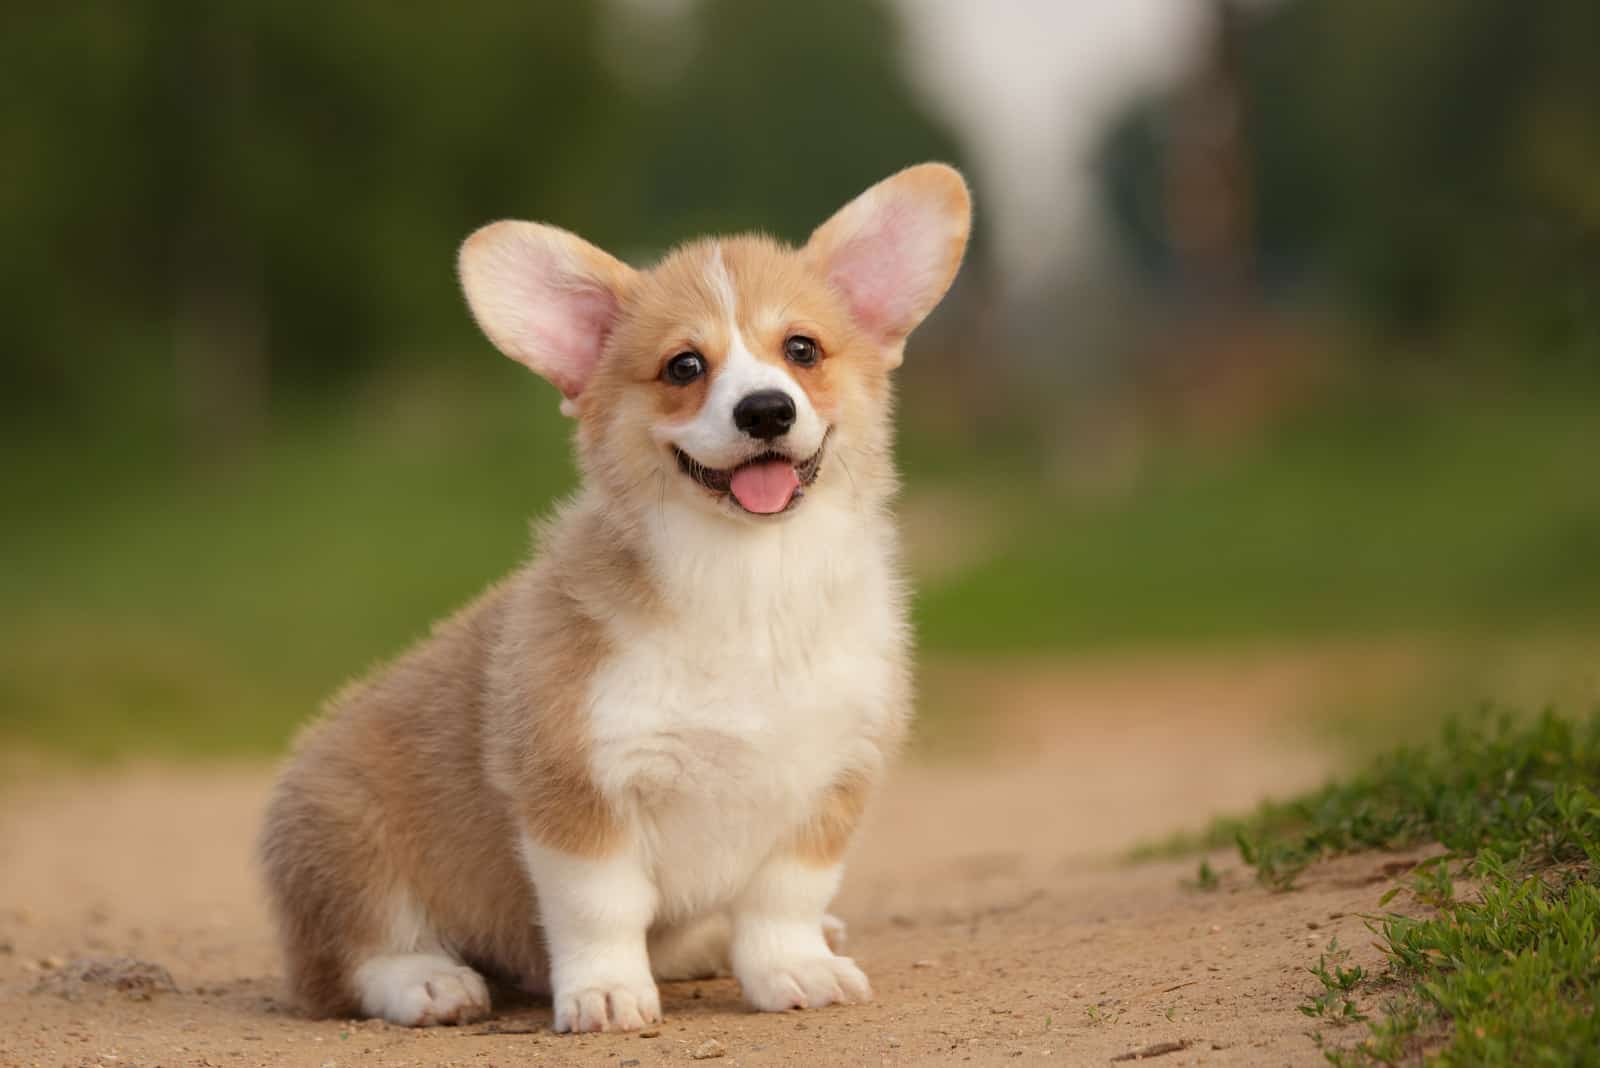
683, 368
801, 350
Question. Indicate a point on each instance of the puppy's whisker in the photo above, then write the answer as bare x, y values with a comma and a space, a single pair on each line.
855, 489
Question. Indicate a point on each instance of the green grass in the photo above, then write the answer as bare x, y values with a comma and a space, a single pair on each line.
1335, 1002
1505, 967
1477, 512
156, 608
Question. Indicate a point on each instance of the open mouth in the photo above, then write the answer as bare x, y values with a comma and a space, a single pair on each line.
765, 484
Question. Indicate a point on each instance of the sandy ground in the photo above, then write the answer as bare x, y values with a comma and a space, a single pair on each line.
986, 900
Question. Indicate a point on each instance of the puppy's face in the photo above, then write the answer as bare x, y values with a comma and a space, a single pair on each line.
739, 375
732, 371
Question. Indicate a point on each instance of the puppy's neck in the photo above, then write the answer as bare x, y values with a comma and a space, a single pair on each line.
691, 548
718, 577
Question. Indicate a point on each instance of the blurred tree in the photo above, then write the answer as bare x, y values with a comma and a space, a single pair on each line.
782, 112
220, 203
1206, 191
1433, 160
263, 193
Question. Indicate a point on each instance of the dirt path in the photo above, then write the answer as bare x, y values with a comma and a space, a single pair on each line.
985, 901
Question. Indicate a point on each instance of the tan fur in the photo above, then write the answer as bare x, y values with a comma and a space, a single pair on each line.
822, 840
385, 795
394, 828
422, 776
550, 647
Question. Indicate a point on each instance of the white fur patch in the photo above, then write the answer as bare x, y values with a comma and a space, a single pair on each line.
421, 989
721, 728
717, 731
722, 283
780, 954
595, 915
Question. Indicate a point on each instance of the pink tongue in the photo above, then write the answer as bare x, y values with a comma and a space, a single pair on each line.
765, 487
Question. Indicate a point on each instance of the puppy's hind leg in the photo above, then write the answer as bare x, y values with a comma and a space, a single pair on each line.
413, 980
420, 989
355, 939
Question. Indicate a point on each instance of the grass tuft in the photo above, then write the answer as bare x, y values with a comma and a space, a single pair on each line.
1506, 969
1335, 1001
1206, 878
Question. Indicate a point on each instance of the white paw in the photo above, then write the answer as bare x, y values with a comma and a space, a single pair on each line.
421, 990
806, 983
618, 1006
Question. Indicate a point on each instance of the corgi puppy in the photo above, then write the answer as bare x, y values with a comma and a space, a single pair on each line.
644, 753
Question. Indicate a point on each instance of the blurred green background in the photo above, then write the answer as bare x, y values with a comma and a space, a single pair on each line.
1281, 324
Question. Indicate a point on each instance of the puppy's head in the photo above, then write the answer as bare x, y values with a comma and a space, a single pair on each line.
739, 374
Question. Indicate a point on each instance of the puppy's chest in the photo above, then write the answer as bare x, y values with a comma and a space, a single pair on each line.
721, 738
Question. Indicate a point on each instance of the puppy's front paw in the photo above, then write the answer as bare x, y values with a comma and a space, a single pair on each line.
805, 983
615, 1006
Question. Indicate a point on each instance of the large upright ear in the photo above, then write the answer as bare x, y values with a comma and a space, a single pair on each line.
546, 298
894, 250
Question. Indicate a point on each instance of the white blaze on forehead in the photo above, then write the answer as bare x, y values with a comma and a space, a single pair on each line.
711, 437
722, 285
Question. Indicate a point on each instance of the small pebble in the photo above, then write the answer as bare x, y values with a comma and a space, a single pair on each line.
654, 1032
631, 1062
709, 1049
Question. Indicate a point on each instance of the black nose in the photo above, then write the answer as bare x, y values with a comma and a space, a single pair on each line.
765, 414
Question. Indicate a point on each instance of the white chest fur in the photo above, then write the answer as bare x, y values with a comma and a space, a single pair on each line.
720, 723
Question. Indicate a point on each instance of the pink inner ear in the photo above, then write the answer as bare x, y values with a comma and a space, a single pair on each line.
890, 269
540, 308
575, 329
